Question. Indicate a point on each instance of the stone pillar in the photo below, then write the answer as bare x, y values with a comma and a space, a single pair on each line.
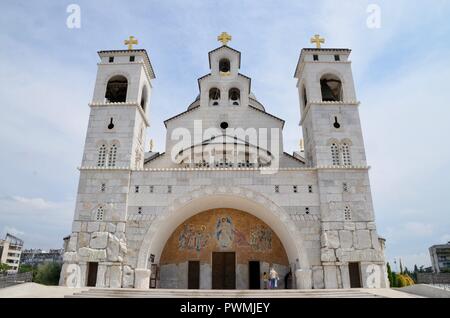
101, 276
303, 278
115, 276
345, 276
142, 278
330, 275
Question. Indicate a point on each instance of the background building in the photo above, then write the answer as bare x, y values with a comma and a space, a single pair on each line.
35, 257
440, 257
10, 251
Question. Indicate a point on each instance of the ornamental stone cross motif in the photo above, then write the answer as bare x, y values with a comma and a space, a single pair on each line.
130, 42
224, 38
316, 39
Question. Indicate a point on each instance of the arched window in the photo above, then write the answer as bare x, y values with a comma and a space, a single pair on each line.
112, 156
234, 95
214, 96
331, 88
101, 156
335, 154
305, 97
116, 90
224, 65
346, 159
347, 214
99, 214
144, 98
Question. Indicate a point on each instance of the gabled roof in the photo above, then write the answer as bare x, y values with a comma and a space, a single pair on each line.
196, 107
180, 114
225, 47
239, 74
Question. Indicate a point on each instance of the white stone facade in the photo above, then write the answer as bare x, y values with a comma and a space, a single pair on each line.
321, 210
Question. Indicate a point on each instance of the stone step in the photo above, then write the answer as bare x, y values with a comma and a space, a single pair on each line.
180, 293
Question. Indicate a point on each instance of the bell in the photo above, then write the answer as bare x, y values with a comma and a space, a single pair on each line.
327, 93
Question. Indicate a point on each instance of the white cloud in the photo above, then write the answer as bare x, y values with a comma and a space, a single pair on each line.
445, 238
42, 223
12, 230
418, 229
34, 203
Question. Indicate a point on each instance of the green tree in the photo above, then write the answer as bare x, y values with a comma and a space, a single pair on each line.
394, 279
390, 275
25, 268
4, 268
48, 274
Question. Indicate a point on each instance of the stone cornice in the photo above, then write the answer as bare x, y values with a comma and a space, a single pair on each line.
228, 169
130, 104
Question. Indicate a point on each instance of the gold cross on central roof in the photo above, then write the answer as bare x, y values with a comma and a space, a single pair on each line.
224, 38
130, 42
317, 40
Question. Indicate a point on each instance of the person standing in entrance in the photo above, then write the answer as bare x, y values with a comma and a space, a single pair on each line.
273, 275
265, 278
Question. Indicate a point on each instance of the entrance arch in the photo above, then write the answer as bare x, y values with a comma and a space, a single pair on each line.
207, 198
214, 249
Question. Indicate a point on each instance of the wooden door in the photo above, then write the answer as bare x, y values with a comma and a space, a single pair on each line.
223, 270
254, 275
355, 275
92, 274
194, 275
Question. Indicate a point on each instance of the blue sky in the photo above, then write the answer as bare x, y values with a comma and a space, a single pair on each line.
401, 70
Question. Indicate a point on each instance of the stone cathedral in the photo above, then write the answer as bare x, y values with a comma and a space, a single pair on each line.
224, 203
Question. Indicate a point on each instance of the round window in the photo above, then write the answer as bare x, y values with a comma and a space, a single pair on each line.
224, 125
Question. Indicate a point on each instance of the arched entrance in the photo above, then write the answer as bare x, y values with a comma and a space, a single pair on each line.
220, 197
222, 249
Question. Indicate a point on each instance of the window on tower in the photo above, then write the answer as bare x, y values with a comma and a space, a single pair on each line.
116, 89
99, 214
335, 154
224, 65
101, 156
144, 95
214, 96
112, 156
347, 214
346, 159
234, 95
305, 97
331, 88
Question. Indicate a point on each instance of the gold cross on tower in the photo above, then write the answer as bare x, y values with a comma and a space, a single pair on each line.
130, 42
316, 39
224, 38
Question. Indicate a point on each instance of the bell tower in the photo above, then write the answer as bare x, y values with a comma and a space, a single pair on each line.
334, 146
113, 148
119, 108
329, 108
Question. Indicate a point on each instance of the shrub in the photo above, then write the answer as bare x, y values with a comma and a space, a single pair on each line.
48, 274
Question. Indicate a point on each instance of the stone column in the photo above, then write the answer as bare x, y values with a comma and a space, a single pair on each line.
142, 278
101, 275
330, 277
303, 278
